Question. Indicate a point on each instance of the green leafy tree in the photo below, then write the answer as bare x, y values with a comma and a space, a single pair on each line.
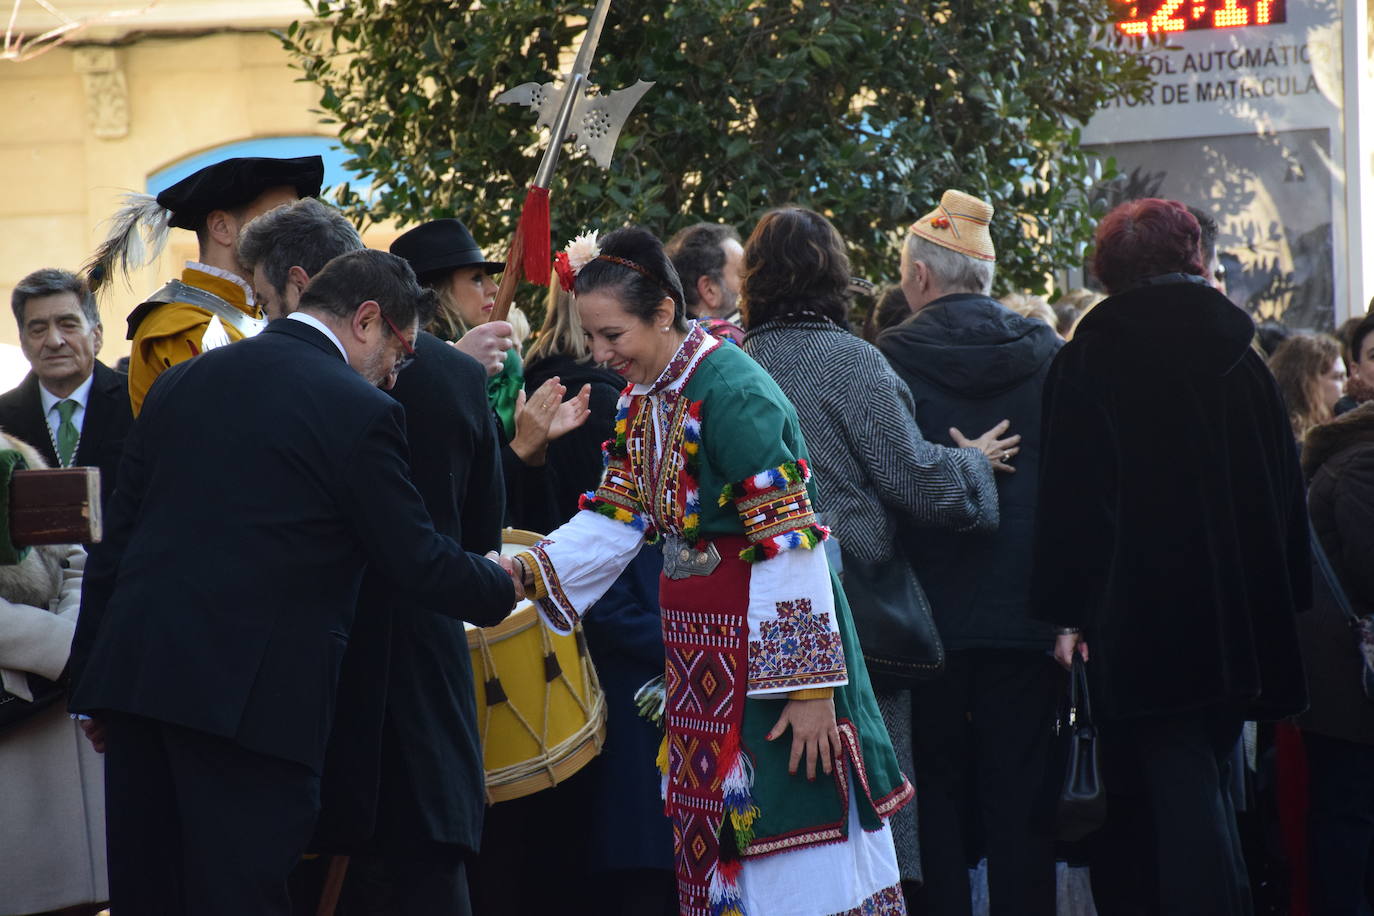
864, 110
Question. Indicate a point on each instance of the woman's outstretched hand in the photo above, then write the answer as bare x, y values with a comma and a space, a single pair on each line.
998, 450
571, 414
813, 733
533, 416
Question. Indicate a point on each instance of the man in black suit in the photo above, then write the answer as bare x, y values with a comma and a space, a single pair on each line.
71, 407
403, 782
259, 483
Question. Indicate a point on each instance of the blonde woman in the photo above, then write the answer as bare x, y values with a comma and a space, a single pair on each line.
561, 352
1031, 306
446, 258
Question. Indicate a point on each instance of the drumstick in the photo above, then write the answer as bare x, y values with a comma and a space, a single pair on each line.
333, 885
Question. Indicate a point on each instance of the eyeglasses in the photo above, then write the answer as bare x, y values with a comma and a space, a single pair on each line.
405, 344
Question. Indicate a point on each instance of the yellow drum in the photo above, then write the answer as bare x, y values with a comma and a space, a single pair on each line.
541, 714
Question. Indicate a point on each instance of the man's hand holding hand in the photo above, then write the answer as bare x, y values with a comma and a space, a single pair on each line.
488, 343
512, 569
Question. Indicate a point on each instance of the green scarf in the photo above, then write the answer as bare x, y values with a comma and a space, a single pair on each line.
504, 388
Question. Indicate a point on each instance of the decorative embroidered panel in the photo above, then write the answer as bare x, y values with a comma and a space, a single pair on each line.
798, 648
705, 626
887, 902
774, 513
617, 497
695, 853
888, 804
557, 608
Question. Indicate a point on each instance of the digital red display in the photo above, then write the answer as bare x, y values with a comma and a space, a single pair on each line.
1149, 17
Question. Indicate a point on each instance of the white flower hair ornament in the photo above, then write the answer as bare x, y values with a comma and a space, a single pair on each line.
580, 252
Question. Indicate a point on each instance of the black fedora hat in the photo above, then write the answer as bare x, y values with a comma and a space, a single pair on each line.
440, 246
235, 182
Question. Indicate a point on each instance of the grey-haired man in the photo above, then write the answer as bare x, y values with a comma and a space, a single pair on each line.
71, 407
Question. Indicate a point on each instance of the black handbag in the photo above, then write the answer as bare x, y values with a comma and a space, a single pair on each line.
1082, 802
893, 619
14, 710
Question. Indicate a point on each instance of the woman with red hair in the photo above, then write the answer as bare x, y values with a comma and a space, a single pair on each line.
1173, 541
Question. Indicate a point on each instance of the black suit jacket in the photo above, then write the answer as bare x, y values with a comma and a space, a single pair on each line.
431, 787
106, 423
258, 483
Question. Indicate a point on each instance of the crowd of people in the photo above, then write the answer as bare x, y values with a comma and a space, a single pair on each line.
857, 554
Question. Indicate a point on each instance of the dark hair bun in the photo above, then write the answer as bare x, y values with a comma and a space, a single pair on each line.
642, 289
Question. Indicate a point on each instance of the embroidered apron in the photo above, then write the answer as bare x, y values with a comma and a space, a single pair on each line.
705, 635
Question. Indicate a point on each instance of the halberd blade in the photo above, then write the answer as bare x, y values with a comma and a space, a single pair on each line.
597, 120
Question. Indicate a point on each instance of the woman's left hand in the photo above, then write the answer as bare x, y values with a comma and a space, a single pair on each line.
997, 449
813, 731
571, 414
533, 416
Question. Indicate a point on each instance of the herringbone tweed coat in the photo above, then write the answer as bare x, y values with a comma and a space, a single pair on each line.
870, 459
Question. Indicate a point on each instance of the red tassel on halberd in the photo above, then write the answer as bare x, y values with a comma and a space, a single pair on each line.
534, 235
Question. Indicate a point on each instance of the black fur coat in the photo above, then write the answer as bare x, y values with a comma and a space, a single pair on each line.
1172, 527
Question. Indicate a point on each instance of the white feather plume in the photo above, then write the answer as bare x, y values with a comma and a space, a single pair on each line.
138, 233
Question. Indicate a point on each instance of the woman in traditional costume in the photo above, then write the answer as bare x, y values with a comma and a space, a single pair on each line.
707, 455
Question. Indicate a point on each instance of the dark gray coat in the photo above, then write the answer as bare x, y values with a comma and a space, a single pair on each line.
971, 363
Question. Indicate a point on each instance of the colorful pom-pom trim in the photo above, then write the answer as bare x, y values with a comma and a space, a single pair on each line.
798, 539
617, 446
724, 895
787, 474
691, 489
737, 788
593, 503
736, 774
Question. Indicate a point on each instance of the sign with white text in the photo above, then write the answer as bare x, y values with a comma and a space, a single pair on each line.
1244, 120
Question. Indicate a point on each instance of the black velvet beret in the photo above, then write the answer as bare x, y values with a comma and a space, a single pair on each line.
440, 246
235, 182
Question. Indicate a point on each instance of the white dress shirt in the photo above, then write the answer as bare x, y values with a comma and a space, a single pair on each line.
323, 328
50, 401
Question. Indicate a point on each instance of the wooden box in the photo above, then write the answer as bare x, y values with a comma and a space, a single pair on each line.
58, 506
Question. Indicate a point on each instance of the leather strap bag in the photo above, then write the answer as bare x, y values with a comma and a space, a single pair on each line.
896, 628
1361, 626
1082, 801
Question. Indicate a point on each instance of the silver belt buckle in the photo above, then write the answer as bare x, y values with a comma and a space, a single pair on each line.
681, 560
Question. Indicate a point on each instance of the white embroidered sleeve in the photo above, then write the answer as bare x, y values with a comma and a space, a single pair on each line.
794, 639
577, 564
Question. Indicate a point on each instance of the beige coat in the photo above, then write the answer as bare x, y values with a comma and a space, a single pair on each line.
52, 797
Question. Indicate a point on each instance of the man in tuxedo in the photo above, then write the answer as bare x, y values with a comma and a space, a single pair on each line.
403, 782
72, 408
259, 483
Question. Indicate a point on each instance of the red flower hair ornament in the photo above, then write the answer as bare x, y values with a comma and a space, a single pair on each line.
563, 267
